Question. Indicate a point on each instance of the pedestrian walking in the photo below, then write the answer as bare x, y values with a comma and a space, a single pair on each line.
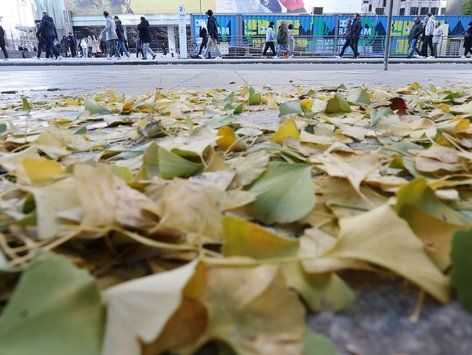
95, 46
468, 41
145, 37
64, 42
415, 34
111, 39
3, 43
84, 45
139, 48
203, 36
41, 46
438, 34
120, 32
89, 41
430, 25
356, 35
72, 44
269, 43
212, 27
47, 30
348, 39
282, 40
291, 39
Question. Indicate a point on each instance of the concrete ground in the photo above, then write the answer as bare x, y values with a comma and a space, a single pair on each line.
134, 79
379, 322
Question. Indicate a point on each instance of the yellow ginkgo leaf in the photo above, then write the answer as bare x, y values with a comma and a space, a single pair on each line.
286, 130
41, 170
307, 104
226, 137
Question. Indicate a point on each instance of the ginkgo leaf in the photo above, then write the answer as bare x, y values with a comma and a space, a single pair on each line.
337, 104
462, 267
381, 238
249, 308
250, 167
25, 105
106, 199
50, 200
254, 97
171, 165
55, 310
41, 170
192, 210
360, 97
317, 344
290, 107
50, 146
94, 107
286, 130
13, 162
323, 291
138, 310
284, 193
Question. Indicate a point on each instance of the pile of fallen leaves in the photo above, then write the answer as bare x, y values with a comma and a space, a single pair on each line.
178, 221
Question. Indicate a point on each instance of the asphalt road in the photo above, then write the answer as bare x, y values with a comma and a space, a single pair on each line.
134, 79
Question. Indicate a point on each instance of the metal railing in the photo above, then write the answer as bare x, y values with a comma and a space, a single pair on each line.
309, 46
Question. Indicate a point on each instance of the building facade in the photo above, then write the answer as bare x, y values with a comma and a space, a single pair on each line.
412, 7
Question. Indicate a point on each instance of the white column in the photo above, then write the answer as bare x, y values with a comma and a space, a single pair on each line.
171, 39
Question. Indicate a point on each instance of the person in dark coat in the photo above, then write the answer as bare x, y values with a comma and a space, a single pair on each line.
65, 46
2, 43
212, 28
348, 40
468, 40
145, 37
415, 34
72, 45
41, 41
48, 31
356, 34
120, 32
204, 36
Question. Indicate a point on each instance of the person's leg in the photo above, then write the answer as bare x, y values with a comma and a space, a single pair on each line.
355, 47
272, 48
5, 53
210, 43
266, 48
424, 48
125, 50
145, 50
115, 48
347, 43
430, 44
412, 48
435, 50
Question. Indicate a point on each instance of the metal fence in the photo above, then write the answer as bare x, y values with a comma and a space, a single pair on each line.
327, 46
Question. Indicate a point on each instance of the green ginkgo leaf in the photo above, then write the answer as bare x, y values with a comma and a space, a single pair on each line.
94, 107
284, 193
461, 275
171, 165
54, 310
291, 107
337, 104
254, 97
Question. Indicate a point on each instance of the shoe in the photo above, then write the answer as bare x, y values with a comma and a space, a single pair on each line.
338, 56
59, 58
417, 56
463, 57
38, 58
431, 57
218, 57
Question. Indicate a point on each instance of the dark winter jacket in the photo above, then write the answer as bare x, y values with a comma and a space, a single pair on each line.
144, 32
203, 33
349, 31
120, 31
282, 34
356, 28
416, 31
47, 29
212, 27
468, 38
2, 36
71, 42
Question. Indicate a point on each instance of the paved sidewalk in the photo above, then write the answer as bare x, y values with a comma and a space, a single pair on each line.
133, 61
